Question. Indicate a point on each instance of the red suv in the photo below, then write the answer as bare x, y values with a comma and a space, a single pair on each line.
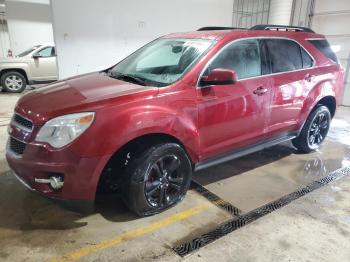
181, 103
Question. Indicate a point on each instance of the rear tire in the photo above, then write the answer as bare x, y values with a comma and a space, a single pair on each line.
157, 179
314, 130
13, 82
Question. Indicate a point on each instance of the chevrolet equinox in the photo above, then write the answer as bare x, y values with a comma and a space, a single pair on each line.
181, 103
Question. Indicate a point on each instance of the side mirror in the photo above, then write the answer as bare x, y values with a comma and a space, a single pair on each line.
219, 76
36, 56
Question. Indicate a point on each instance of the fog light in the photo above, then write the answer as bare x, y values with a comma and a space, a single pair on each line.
56, 182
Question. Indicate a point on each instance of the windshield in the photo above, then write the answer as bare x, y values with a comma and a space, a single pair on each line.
28, 51
160, 62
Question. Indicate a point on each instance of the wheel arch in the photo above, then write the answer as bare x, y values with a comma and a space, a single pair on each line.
329, 102
122, 155
150, 139
18, 70
323, 93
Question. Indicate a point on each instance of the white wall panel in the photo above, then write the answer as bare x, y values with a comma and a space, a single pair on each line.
91, 35
4, 34
331, 6
280, 12
332, 24
29, 23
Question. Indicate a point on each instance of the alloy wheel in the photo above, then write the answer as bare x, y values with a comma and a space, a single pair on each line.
318, 130
13, 82
164, 181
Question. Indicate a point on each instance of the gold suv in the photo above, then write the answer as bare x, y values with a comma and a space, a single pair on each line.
35, 65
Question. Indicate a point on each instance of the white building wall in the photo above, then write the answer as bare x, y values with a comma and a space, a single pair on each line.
91, 35
29, 23
4, 34
332, 18
280, 12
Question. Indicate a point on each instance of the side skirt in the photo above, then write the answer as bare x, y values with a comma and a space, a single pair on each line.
37, 82
242, 152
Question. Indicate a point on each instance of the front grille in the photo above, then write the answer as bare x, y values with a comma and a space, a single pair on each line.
23, 121
17, 146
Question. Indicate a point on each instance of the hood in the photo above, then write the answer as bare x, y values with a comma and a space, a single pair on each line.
82, 93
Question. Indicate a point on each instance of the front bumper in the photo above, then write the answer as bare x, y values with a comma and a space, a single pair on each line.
83, 206
81, 175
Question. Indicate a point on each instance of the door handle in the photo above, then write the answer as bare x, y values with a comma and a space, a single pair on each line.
260, 91
308, 77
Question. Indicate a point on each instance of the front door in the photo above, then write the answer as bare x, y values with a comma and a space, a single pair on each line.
43, 66
234, 116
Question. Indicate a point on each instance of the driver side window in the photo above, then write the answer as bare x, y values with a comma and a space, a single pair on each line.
243, 57
47, 52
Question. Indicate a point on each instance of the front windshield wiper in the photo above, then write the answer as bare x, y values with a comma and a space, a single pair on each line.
128, 78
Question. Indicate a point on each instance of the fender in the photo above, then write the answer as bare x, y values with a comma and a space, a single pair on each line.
135, 122
142, 120
16, 66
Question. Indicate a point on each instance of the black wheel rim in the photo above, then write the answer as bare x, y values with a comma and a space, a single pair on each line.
164, 181
318, 130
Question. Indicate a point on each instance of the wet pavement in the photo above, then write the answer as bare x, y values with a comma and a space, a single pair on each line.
315, 227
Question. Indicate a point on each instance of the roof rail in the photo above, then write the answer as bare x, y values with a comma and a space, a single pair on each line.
210, 28
282, 28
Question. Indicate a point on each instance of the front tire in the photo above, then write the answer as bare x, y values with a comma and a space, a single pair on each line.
314, 131
157, 179
13, 82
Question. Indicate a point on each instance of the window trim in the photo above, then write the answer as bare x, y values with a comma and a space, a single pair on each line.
257, 38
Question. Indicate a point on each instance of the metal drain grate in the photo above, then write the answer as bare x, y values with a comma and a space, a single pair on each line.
216, 200
255, 214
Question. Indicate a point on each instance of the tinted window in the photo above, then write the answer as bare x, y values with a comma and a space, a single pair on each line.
323, 46
242, 57
307, 60
47, 52
284, 55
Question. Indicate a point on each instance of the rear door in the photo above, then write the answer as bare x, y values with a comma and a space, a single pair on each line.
290, 79
234, 116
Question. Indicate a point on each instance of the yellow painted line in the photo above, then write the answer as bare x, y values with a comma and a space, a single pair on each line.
87, 250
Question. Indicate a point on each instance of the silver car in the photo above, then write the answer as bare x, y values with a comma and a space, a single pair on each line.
35, 65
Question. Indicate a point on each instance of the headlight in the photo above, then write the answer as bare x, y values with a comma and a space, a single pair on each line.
62, 130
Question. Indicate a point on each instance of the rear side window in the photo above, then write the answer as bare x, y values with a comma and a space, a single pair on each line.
243, 57
284, 55
323, 46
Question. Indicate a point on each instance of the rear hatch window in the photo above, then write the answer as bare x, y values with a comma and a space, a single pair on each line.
323, 46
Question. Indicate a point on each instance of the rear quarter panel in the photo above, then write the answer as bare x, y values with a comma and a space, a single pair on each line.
327, 80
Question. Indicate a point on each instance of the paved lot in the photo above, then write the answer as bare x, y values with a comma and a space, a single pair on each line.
316, 227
